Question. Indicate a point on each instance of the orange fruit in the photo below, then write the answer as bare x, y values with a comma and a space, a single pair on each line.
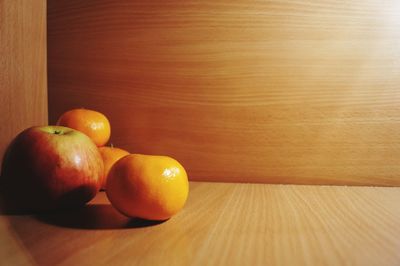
92, 123
147, 186
110, 155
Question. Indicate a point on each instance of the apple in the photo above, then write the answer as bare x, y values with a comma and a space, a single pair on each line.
50, 167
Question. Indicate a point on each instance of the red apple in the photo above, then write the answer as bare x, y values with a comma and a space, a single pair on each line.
50, 167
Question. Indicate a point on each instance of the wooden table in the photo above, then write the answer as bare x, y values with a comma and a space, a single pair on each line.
222, 224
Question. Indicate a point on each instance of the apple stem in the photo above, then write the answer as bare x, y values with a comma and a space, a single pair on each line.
57, 132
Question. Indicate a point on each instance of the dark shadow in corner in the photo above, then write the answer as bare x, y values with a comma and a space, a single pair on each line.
95, 217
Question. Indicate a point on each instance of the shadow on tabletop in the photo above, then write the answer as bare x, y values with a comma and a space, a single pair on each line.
93, 216
96, 216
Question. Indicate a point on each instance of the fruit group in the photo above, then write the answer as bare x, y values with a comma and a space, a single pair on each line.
148, 187
110, 155
92, 123
49, 167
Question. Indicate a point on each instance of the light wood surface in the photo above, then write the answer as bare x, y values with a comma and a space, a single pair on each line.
23, 79
255, 91
223, 224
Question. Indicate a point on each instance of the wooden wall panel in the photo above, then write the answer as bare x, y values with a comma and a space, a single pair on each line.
250, 91
23, 79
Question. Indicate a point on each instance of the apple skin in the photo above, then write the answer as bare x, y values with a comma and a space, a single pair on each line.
50, 167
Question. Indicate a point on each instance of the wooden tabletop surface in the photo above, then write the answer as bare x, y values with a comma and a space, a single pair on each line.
222, 224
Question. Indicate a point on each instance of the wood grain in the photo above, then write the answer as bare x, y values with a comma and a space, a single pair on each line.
225, 224
302, 92
23, 73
